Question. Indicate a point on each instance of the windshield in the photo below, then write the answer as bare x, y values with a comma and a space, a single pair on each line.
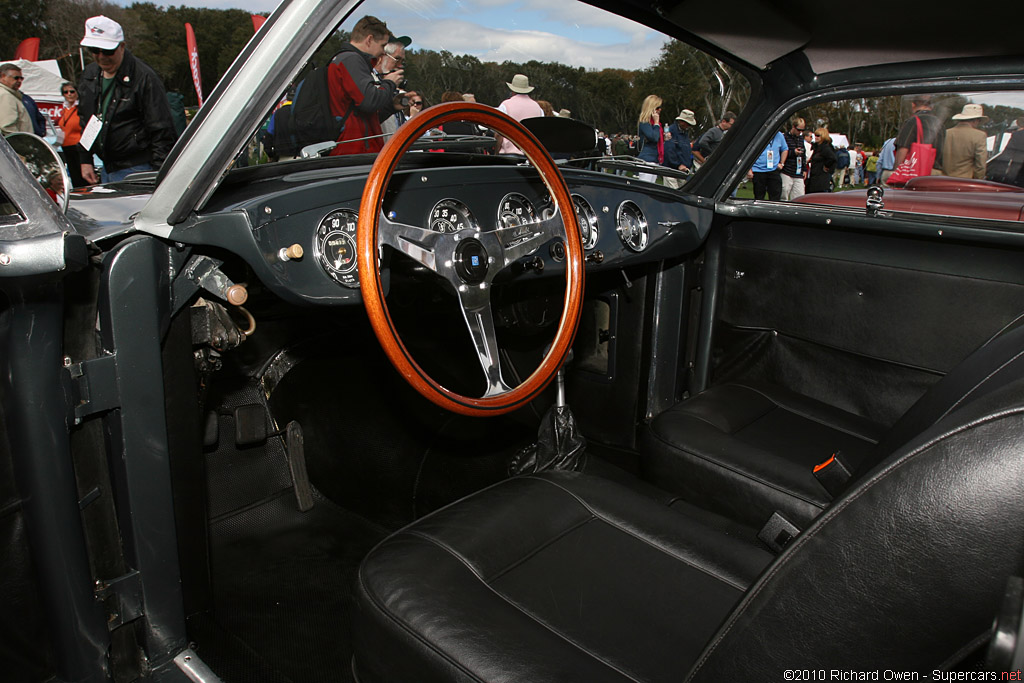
392, 61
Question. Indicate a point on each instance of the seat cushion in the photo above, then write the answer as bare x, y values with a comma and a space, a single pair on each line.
748, 450
552, 577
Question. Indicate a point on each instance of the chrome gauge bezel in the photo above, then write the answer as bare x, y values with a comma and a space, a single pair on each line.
634, 239
585, 212
338, 227
436, 218
509, 215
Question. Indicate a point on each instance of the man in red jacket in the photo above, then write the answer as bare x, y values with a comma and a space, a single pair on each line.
360, 96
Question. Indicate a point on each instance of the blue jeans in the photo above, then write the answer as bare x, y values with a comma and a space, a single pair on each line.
121, 173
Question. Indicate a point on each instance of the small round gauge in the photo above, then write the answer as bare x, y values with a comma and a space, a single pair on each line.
632, 226
515, 210
587, 218
335, 246
451, 215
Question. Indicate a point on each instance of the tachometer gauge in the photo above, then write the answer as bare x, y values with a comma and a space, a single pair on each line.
451, 215
632, 226
515, 210
335, 246
587, 218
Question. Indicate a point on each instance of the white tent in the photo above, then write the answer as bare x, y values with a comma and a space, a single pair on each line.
839, 140
42, 83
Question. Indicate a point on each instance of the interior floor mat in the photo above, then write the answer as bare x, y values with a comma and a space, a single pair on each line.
283, 583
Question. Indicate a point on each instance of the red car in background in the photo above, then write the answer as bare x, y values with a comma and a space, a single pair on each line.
939, 195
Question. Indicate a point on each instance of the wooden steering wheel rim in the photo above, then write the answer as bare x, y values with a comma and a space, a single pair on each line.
372, 288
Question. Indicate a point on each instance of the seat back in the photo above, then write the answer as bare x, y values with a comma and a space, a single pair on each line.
997, 362
905, 570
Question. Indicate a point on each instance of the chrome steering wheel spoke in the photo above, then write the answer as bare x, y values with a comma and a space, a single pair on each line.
475, 301
428, 248
518, 241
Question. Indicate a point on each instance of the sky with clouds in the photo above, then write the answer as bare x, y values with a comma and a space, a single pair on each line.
498, 30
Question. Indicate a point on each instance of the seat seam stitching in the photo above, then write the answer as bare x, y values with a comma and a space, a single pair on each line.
578, 525
740, 473
978, 384
458, 556
805, 537
405, 626
804, 415
643, 540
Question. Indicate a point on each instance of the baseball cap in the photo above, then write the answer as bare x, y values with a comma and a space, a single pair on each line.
404, 40
102, 32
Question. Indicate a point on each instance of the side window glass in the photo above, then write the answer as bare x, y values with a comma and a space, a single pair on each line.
957, 154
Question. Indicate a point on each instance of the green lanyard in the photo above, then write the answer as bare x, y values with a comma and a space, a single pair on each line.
109, 96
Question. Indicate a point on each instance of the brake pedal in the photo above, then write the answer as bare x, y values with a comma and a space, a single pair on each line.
297, 465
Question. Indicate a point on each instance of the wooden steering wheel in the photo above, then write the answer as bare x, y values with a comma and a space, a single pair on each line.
469, 261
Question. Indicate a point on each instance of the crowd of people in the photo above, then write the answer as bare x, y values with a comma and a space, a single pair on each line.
119, 113
801, 160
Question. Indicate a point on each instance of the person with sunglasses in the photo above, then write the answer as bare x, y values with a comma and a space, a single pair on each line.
14, 117
122, 107
794, 171
71, 126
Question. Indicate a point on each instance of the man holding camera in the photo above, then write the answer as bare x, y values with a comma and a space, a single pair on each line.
359, 96
392, 60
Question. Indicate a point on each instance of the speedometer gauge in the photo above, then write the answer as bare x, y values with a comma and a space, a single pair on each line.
587, 218
335, 246
451, 215
632, 226
515, 210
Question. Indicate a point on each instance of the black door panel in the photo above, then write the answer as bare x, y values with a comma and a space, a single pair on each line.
865, 322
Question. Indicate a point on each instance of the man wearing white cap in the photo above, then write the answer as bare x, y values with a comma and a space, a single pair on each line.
520, 106
126, 120
964, 152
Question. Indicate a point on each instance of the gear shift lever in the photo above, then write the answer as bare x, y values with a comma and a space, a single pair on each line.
560, 381
559, 445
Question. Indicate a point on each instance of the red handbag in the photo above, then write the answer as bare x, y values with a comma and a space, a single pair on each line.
919, 161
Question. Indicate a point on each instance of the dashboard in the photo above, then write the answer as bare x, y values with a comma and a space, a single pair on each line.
304, 224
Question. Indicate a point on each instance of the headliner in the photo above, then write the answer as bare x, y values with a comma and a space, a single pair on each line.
760, 31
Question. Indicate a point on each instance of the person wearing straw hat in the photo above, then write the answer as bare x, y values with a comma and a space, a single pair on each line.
678, 147
519, 106
964, 152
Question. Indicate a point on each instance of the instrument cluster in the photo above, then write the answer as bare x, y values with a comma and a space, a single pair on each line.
335, 242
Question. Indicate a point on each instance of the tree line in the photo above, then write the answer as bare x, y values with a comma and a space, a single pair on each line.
609, 99
156, 34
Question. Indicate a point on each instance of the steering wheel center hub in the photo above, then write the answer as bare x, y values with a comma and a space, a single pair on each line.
471, 261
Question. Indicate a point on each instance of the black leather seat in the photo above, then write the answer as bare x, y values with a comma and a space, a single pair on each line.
748, 450
564, 577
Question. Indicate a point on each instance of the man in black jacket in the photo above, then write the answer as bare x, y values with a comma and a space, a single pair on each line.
126, 120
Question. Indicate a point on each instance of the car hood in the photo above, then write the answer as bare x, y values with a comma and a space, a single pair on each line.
113, 215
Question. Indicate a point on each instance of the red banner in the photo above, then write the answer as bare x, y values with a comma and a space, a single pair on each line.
257, 21
28, 49
193, 60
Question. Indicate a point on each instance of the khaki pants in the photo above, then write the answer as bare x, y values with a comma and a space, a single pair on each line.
792, 187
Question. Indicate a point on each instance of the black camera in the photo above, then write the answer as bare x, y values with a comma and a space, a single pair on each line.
400, 84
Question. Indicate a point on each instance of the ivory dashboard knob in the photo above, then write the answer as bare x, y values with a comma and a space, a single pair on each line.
289, 253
